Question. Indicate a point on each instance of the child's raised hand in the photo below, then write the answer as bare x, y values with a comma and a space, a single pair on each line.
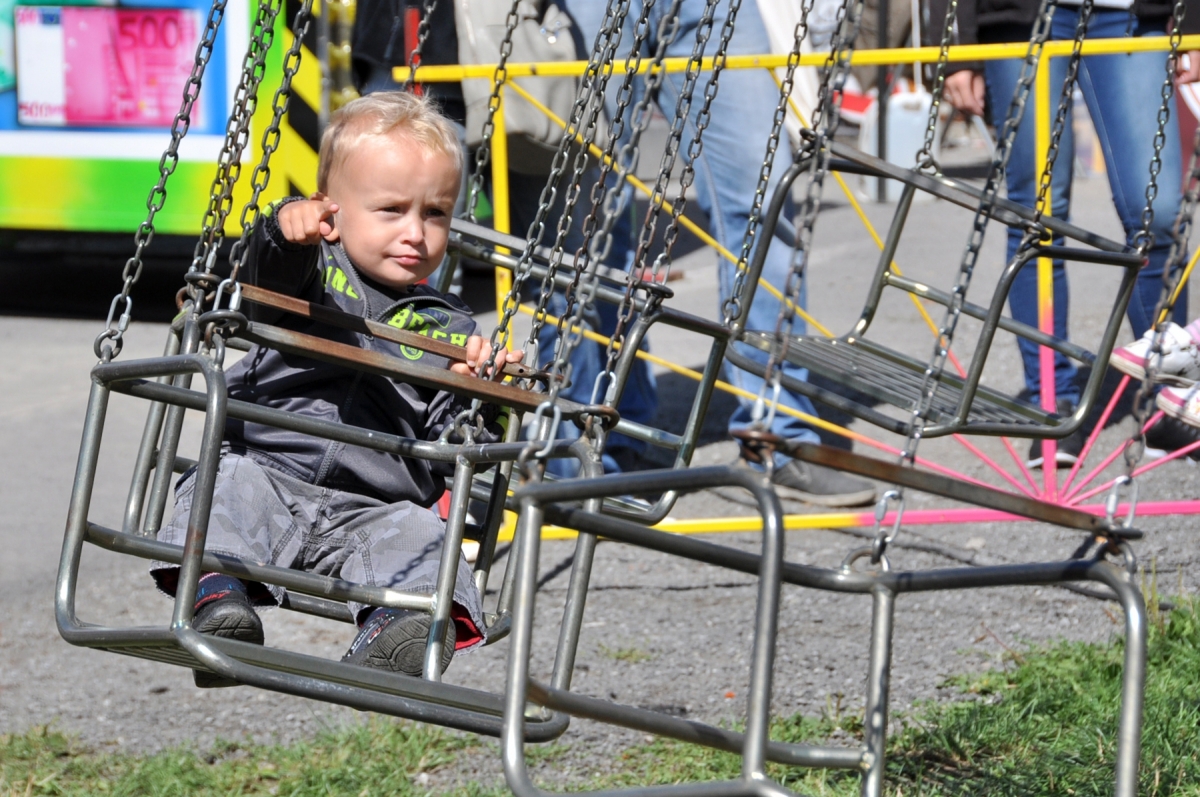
478, 351
309, 220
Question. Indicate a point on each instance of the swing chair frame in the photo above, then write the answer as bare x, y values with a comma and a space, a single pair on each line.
285, 671
543, 502
961, 405
196, 345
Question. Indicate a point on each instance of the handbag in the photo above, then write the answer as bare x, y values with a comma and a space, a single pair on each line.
543, 33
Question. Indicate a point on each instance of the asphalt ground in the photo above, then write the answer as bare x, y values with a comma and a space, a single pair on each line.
658, 632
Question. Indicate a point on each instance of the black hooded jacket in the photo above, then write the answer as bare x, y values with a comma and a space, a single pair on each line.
325, 275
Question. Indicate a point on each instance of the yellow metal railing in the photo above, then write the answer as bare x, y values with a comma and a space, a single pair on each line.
895, 55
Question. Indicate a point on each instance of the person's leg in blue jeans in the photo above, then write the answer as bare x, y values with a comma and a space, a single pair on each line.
1022, 184
726, 177
1123, 97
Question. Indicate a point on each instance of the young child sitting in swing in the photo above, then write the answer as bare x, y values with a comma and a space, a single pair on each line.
388, 177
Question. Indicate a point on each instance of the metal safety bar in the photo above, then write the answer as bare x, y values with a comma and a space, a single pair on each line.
356, 323
557, 503
936, 484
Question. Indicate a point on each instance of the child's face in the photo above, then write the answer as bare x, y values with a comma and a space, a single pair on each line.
395, 199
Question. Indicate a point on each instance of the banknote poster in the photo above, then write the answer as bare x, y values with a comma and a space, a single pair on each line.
102, 67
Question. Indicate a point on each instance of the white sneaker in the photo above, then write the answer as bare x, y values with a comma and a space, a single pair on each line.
1180, 354
1182, 403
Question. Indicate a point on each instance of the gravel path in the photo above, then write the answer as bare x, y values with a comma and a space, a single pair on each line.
658, 632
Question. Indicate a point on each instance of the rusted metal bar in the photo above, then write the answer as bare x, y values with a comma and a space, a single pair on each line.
354, 323
393, 367
944, 486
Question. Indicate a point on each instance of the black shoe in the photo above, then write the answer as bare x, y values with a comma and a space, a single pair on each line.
818, 484
1065, 453
1170, 434
1068, 448
395, 640
231, 617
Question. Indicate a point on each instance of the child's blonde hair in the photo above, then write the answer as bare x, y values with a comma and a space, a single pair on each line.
382, 113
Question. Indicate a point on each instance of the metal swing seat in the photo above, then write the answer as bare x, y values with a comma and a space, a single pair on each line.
961, 403
164, 382
196, 345
557, 503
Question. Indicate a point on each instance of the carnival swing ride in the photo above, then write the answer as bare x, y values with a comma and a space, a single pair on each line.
928, 400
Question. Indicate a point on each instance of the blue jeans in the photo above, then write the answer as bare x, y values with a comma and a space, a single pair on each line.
726, 172
1123, 94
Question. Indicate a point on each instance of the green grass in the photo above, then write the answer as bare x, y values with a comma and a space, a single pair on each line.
629, 655
372, 760
1045, 725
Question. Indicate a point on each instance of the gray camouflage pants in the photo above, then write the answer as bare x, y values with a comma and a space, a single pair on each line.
264, 516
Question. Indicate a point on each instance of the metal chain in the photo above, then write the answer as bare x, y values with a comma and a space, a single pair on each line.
567, 338
731, 310
826, 117
580, 292
414, 58
1171, 275
589, 96
668, 29
1035, 233
108, 343
625, 310
501, 334
237, 134
483, 155
597, 92
945, 337
683, 106
925, 159
601, 206
696, 146
271, 136
601, 216
1145, 238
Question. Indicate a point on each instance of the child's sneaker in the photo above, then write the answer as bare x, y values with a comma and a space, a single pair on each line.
231, 617
1182, 403
1180, 353
223, 609
394, 640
